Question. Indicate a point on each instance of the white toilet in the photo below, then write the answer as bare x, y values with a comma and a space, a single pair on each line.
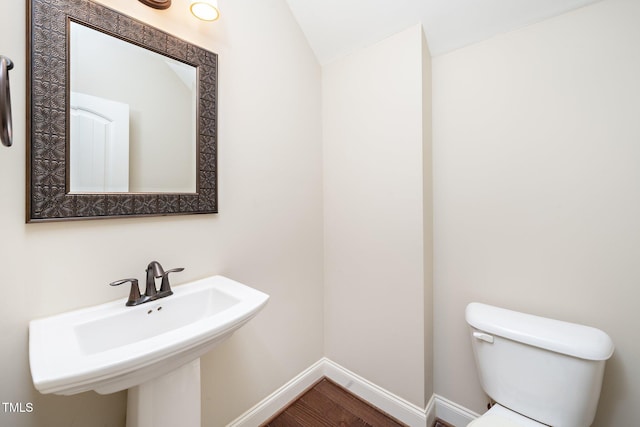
539, 371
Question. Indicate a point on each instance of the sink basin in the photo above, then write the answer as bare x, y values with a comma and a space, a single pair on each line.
111, 347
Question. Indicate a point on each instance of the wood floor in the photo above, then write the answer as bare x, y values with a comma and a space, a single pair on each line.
328, 405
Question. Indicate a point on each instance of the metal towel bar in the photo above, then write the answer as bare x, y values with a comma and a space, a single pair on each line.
6, 132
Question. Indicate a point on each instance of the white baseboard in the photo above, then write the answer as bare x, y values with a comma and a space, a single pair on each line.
280, 398
452, 413
382, 399
397, 407
430, 411
393, 405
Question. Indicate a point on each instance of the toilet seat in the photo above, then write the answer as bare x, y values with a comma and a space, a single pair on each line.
493, 421
499, 416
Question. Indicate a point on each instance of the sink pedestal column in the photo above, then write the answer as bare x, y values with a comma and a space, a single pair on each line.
167, 401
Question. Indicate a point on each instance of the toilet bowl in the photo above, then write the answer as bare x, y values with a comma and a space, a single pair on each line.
499, 416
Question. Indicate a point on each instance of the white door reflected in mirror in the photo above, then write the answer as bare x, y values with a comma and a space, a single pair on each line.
99, 145
161, 137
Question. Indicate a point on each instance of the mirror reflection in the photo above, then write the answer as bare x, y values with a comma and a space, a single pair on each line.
133, 117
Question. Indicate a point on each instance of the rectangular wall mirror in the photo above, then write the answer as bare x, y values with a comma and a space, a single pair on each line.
122, 117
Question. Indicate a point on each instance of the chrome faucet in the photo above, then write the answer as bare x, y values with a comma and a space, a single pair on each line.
154, 271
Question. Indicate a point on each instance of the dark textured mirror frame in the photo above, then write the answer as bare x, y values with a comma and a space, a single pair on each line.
48, 116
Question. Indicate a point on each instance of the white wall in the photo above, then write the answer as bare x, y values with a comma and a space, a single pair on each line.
268, 233
537, 190
376, 283
427, 217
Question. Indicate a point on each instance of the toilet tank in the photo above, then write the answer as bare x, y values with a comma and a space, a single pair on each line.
545, 369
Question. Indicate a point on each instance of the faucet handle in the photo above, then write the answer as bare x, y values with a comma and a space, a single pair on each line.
165, 287
134, 295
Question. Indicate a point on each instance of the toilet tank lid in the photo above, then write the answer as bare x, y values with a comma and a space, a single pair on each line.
575, 340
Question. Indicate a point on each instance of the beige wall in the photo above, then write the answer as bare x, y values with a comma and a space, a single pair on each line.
536, 207
268, 233
537, 189
376, 283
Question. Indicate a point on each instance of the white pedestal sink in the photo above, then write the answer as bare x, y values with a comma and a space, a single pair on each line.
167, 401
152, 349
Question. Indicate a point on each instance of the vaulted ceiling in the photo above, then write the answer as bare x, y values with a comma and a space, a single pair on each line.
335, 28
